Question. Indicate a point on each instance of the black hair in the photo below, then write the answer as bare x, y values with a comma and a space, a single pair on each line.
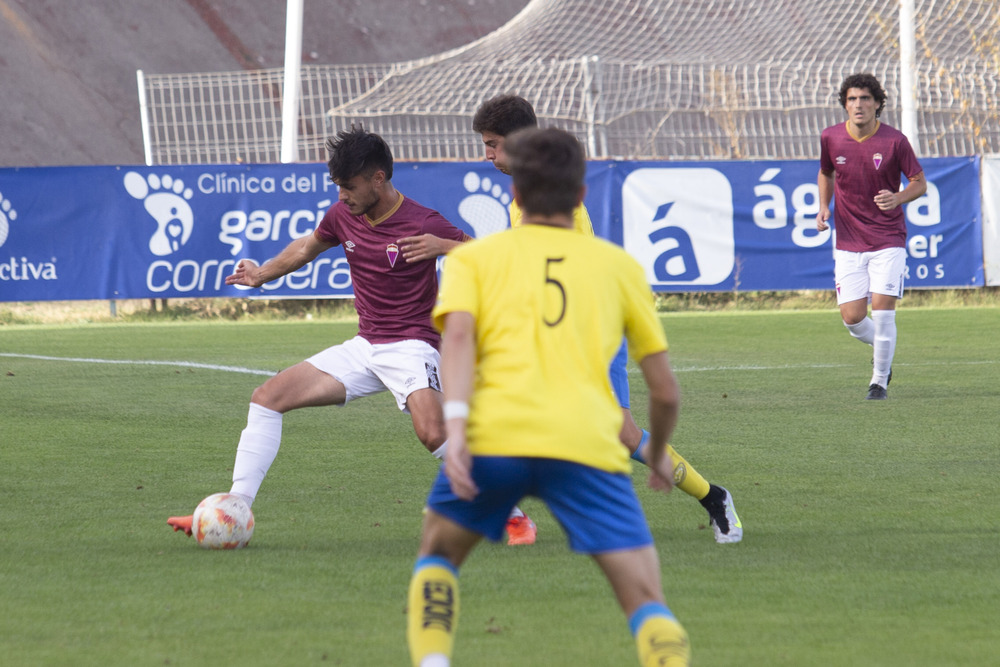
504, 114
863, 81
357, 151
548, 168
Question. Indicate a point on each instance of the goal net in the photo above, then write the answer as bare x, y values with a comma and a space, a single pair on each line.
658, 79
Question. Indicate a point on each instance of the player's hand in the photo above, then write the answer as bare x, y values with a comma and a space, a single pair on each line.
822, 219
246, 273
458, 465
661, 474
887, 200
420, 248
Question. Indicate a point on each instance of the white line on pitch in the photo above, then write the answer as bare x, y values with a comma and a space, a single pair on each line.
129, 362
678, 369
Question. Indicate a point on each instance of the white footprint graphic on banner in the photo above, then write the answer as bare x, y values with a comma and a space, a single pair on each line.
7, 215
165, 199
485, 209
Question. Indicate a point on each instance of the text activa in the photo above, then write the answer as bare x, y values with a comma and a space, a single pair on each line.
24, 269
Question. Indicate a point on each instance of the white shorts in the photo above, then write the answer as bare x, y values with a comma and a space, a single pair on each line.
365, 369
861, 274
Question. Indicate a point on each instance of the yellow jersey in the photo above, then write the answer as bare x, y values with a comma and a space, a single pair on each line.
581, 218
550, 306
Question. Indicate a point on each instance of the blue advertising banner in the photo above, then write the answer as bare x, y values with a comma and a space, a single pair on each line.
71, 233
752, 225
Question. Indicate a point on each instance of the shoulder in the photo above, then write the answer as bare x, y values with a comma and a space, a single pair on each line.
604, 253
414, 209
889, 133
338, 209
834, 131
335, 216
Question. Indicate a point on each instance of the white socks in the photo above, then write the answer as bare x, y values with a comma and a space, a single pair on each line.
439, 452
863, 330
884, 344
258, 446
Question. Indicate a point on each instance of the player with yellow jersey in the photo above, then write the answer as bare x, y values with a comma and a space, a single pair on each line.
530, 321
494, 120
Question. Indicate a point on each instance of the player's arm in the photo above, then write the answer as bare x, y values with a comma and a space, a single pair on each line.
458, 367
296, 254
825, 183
664, 408
427, 246
887, 200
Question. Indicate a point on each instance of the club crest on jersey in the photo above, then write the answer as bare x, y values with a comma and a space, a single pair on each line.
392, 251
877, 159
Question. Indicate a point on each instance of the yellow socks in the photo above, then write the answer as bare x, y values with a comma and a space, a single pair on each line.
661, 640
433, 611
686, 478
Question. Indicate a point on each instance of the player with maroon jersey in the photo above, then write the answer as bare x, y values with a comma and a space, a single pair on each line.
862, 161
396, 346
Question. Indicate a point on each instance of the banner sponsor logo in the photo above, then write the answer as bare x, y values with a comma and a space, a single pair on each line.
166, 201
131, 232
679, 224
20, 268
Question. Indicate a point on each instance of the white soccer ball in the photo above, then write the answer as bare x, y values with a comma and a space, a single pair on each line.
222, 521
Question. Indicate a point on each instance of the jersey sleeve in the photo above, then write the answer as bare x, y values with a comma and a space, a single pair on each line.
642, 326
326, 231
908, 163
441, 227
825, 162
458, 291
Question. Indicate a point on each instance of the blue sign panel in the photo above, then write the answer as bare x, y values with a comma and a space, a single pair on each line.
177, 231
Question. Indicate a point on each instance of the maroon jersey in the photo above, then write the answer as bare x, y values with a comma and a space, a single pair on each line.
863, 168
393, 298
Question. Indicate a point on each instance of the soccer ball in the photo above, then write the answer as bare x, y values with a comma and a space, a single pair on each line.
222, 521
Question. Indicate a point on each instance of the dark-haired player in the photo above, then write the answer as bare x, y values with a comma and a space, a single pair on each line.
862, 161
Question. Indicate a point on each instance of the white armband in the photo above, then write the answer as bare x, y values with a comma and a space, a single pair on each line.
456, 410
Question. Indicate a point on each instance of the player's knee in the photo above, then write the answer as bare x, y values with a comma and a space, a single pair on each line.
431, 437
261, 396
429, 429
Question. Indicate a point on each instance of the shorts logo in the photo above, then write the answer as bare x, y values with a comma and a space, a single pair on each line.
877, 159
678, 222
392, 250
432, 377
165, 199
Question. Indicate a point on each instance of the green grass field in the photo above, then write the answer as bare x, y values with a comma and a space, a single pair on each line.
872, 529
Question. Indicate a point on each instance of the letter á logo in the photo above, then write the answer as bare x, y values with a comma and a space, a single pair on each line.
678, 222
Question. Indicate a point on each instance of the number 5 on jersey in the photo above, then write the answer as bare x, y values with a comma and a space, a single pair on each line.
555, 284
